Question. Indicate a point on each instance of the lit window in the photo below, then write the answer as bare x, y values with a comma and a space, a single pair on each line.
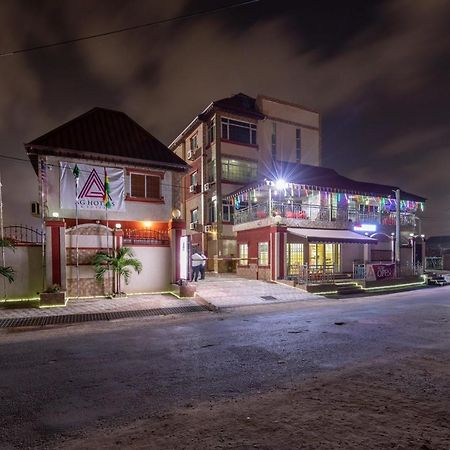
211, 131
193, 142
212, 211
145, 186
243, 254
227, 211
298, 144
263, 253
193, 178
194, 215
238, 170
237, 131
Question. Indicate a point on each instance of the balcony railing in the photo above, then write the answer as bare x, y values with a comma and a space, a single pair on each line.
145, 237
318, 213
23, 235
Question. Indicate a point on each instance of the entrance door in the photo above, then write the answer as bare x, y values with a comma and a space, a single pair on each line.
325, 257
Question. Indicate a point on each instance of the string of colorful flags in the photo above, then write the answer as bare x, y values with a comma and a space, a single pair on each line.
294, 190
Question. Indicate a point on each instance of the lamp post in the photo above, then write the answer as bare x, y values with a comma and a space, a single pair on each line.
412, 238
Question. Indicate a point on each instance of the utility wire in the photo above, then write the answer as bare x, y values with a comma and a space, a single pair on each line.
131, 28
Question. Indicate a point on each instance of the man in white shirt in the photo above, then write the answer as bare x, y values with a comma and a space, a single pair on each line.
203, 266
197, 262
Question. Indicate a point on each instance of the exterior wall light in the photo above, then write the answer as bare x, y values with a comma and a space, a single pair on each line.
147, 224
55, 214
281, 184
118, 226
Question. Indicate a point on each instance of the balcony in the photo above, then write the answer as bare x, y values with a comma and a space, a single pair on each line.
308, 215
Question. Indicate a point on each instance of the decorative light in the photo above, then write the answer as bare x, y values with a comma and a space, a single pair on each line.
176, 213
365, 227
118, 226
55, 214
281, 184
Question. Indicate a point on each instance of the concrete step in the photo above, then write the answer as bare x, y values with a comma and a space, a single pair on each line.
349, 289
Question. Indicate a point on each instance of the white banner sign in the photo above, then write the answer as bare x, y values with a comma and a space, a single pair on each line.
91, 187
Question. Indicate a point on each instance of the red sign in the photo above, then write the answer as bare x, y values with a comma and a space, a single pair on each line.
383, 271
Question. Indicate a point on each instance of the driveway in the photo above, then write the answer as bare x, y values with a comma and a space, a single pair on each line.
230, 291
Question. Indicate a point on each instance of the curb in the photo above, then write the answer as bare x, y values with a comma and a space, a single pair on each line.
202, 302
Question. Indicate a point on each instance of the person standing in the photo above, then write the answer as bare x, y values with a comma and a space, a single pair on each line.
203, 266
197, 262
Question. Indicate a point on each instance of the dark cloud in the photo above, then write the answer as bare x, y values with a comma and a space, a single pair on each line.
377, 72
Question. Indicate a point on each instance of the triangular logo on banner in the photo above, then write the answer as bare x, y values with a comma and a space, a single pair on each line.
94, 187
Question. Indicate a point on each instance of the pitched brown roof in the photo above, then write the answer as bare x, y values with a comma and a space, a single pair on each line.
326, 179
109, 136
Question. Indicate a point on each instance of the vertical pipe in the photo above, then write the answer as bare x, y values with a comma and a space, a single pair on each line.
397, 231
2, 235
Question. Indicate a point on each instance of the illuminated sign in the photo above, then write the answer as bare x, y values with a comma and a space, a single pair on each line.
365, 227
184, 257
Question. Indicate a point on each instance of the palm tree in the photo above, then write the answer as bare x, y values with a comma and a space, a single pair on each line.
7, 271
119, 262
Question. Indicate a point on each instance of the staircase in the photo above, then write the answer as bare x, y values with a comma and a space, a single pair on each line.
348, 288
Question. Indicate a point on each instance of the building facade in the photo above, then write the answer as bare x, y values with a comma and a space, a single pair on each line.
310, 223
104, 182
228, 145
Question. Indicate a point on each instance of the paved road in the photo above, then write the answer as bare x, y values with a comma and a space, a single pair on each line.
70, 381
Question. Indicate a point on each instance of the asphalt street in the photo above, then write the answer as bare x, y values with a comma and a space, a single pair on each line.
63, 383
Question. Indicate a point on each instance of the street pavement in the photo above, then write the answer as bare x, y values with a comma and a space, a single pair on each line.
105, 384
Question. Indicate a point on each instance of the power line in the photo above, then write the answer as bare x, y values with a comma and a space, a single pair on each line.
131, 28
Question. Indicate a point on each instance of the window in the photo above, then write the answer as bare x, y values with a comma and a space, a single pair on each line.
243, 254
238, 170
145, 186
211, 131
274, 141
194, 215
227, 211
263, 253
193, 142
234, 130
193, 178
211, 171
212, 211
294, 257
298, 144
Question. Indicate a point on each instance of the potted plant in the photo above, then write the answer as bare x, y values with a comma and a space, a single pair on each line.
119, 262
53, 296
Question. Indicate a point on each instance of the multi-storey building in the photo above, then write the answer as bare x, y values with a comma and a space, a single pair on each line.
228, 145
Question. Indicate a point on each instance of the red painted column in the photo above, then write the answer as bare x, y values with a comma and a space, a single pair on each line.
278, 237
55, 252
177, 229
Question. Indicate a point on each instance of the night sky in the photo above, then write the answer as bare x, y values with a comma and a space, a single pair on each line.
378, 72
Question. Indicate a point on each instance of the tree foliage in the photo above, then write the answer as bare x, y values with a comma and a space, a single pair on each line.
120, 263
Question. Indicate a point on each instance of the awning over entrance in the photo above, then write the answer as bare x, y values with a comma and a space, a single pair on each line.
335, 236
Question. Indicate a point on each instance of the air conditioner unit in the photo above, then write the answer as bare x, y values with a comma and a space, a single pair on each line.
208, 228
191, 154
207, 187
193, 188
193, 225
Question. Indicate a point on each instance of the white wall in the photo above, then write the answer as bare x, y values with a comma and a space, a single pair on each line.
155, 275
27, 263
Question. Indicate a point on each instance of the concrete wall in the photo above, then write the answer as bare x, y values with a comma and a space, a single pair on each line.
288, 117
27, 263
350, 253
